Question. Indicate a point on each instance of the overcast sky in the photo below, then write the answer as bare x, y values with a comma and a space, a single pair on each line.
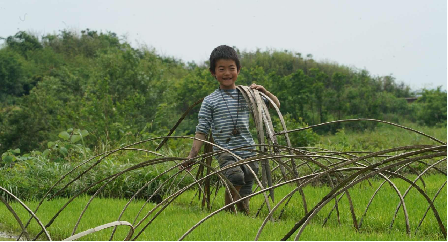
405, 38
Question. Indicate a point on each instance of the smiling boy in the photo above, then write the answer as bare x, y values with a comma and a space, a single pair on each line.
226, 113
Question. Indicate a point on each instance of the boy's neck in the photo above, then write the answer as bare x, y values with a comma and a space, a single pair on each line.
227, 88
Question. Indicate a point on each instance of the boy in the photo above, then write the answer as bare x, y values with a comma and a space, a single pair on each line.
226, 112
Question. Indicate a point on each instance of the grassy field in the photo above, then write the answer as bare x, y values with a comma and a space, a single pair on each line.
177, 218
186, 210
382, 137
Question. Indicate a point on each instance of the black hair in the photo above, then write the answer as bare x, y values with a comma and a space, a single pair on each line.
223, 52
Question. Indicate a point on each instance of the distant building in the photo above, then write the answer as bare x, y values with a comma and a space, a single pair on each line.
411, 99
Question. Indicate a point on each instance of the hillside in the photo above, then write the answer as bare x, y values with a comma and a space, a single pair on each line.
96, 82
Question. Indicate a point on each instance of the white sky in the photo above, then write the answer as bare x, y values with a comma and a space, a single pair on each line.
406, 38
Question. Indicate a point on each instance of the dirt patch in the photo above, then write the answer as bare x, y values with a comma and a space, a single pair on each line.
6, 236
9, 236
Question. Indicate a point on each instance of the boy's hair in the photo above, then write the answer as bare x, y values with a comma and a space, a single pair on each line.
223, 52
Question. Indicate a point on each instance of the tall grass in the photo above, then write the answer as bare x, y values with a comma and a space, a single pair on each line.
382, 137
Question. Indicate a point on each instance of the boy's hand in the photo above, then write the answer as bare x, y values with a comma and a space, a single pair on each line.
258, 87
187, 164
197, 143
270, 95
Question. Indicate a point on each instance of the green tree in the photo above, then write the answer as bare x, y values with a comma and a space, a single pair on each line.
319, 80
11, 75
23, 42
338, 81
433, 107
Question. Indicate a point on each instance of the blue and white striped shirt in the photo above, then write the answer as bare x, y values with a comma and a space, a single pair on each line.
215, 115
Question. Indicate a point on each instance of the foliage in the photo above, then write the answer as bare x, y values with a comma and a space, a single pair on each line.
96, 81
433, 107
23, 42
10, 157
381, 137
300, 139
33, 175
11, 75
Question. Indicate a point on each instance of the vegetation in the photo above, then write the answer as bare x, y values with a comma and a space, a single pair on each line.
38, 172
41, 170
384, 136
97, 82
180, 216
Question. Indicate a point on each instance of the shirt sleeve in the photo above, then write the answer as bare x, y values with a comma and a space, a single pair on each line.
205, 118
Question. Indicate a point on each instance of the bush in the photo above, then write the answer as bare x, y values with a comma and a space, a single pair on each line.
433, 107
32, 178
302, 138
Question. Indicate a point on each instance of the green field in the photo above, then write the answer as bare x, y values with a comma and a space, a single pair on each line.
382, 137
177, 218
186, 211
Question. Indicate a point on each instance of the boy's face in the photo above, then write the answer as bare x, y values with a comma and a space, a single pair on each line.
226, 73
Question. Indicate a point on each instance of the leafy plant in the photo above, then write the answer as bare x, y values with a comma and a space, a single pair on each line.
66, 147
303, 138
10, 156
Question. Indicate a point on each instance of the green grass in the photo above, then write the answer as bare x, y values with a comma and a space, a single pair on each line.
174, 221
384, 136
180, 216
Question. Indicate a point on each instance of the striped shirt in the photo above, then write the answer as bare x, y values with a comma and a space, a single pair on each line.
221, 118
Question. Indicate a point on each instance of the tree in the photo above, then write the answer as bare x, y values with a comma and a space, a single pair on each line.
296, 92
318, 87
11, 75
23, 42
433, 107
338, 81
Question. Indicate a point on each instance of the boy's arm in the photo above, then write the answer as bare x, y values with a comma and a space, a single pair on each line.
197, 144
263, 90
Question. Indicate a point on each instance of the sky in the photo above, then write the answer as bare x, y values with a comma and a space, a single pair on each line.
403, 38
